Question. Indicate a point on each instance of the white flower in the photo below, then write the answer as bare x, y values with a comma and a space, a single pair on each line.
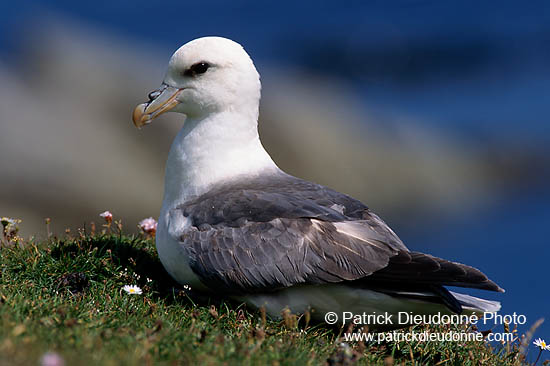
133, 290
107, 215
148, 225
9, 221
11, 226
541, 344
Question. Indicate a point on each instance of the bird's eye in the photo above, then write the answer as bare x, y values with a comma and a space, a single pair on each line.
196, 69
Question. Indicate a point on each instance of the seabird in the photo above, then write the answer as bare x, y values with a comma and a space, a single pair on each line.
232, 223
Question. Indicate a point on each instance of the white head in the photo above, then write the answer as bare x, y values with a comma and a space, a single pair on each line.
204, 76
213, 81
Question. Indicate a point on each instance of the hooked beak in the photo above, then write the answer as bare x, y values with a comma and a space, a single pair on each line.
160, 101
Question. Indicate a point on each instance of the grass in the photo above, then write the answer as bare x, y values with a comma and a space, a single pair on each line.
64, 295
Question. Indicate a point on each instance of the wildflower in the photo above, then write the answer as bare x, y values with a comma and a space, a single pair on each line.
108, 216
10, 227
132, 290
184, 291
9, 221
148, 225
52, 359
48, 222
541, 344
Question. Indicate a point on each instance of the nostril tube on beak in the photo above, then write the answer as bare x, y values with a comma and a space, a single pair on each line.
153, 95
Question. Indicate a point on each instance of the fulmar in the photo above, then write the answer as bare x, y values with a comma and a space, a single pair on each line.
233, 224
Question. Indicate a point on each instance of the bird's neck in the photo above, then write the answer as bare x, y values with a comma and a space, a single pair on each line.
218, 148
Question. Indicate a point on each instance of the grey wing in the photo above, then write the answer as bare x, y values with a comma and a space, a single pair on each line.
260, 256
264, 236
418, 269
259, 237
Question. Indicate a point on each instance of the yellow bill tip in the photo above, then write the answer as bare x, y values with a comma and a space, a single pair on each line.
139, 116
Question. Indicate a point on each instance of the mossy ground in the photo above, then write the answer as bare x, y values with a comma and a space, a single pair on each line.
64, 296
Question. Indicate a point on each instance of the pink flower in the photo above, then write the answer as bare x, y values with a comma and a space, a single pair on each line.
148, 225
52, 359
107, 215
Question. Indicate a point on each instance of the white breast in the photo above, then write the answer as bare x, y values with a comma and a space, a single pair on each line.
171, 252
205, 152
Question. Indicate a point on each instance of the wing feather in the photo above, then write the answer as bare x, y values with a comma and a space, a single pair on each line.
268, 234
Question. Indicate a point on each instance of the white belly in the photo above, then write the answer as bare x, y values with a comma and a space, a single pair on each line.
338, 298
170, 251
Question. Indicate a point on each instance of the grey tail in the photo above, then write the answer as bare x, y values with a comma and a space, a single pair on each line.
454, 301
472, 303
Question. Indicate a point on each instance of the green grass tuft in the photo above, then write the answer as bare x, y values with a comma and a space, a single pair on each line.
65, 296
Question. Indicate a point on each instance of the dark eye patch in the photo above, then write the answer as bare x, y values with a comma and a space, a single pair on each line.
196, 69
